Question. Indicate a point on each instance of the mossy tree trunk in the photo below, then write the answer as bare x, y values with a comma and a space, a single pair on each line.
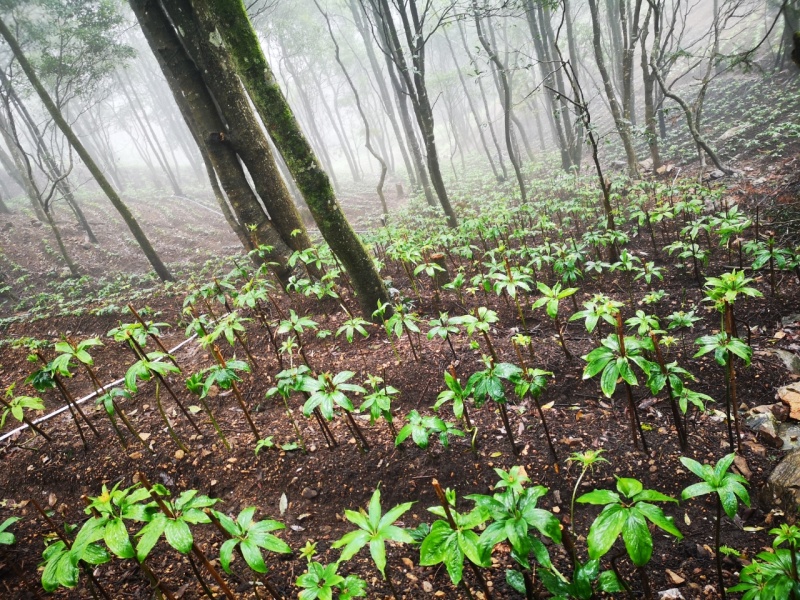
237, 32
152, 256
244, 132
198, 108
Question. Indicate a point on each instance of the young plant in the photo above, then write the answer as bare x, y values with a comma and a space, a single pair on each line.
515, 518
319, 582
375, 529
533, 383
401, 322
480, 322
173, 521
421, 428
327, 392
627, 513
488, 385
725, 347
248, 537
352, 326
729, 489
231, 326
16, 406
224, 375
552, 296
444, 328
452, 539
587, 459
6, 537
456, 394
379, 402
296, 324
613, 360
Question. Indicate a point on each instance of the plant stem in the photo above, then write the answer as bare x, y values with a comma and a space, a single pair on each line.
648, 592
507, 425
163, 414
717, 527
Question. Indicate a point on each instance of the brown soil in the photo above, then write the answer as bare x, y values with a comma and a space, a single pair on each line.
56, 474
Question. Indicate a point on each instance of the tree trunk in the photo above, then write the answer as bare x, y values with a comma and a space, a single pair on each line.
238, 35
140, 115
309, 110
418, 92
623, 128
485, 103
368, 142
649, 89
386, 100
553, 105
254, 227
129, 219
506, 98
56, 174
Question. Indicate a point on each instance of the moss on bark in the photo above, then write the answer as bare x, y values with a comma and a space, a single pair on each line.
238, 35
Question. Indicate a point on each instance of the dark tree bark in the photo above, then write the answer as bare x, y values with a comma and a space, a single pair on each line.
56, 174
386, 99
232, 22
185, 79
623, 126
368, 142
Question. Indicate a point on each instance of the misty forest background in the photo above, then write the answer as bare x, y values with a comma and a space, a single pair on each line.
400, 102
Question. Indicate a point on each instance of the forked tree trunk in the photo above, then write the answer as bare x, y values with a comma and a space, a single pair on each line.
506, 98
197, 106
232, 22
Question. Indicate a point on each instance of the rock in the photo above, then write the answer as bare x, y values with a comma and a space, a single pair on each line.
790, 396
309, 493
665, 169
646, 164
733, 132
780, 411
179, 454
741, 465
670, 594
765, 426
716, 174
674, 578
790, 359
783, 484
427, 587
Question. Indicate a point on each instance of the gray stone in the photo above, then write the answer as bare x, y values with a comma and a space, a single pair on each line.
646, 164
670, 594
716, 174
790, 359
733, 132
764, 425
783, 484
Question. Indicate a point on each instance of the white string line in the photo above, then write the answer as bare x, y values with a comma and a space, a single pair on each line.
85, 398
